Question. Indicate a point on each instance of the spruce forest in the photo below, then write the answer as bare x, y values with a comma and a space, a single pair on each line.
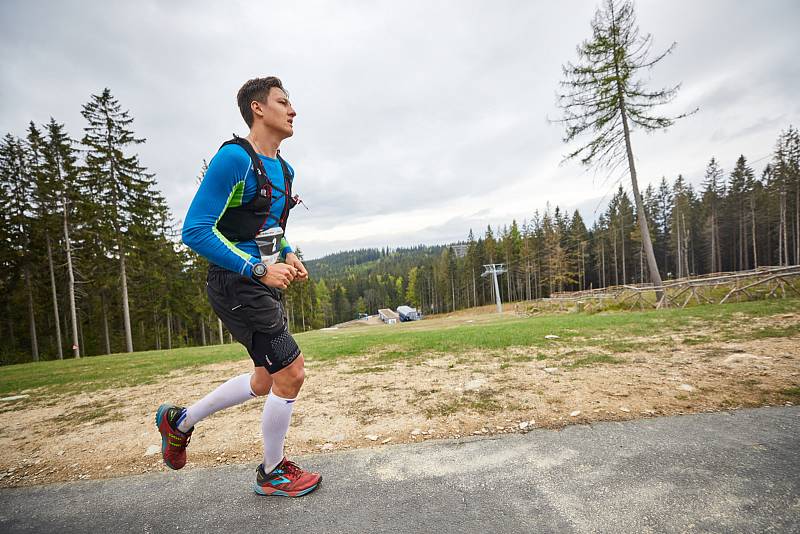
92, 262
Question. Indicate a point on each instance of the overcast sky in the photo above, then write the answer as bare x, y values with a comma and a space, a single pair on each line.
417, 120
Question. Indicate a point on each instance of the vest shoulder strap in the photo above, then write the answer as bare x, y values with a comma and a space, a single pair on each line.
264, 185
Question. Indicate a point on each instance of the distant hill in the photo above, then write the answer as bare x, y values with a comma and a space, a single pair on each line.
396, 262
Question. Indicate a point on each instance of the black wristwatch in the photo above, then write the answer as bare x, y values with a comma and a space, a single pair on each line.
259, 270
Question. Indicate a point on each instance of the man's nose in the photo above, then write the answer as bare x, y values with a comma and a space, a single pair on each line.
292, 112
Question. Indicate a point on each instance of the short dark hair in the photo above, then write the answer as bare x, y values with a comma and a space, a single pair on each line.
255, 89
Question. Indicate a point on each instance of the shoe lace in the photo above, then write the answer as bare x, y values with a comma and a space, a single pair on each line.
291, 468
182, 438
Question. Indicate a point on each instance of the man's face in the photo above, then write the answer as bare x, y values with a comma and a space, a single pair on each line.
277, 114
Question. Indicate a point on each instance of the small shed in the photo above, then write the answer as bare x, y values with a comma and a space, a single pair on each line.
407, 313
388, 316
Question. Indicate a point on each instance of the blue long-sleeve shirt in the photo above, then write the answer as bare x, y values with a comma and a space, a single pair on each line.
230, 181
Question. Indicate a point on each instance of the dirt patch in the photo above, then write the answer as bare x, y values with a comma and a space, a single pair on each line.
374, 400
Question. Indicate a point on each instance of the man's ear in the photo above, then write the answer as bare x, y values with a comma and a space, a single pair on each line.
255, 107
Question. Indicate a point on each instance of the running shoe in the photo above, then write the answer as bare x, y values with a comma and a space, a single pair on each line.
173, 441
287, 480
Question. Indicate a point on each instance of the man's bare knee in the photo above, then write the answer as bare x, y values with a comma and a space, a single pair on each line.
291, 377
260, 388
287, 382
260, 382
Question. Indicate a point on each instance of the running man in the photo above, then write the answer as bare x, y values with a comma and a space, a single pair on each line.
237, 221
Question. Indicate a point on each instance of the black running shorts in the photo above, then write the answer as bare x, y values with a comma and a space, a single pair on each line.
254, 315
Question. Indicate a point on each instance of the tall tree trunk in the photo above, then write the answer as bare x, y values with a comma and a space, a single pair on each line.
616, 265
474, 288
221, 338
527, 281
509, 287
603, 263
782, 229
303, 313
622, 241
583, 267
31, 315
655, 276
80, 333
104, 311
753, 229
59, 349
453, 290
12, 335
126, 314
203, 330
641, 263
73, 312
714, 268
681, 272
169, 329
743, 263
797, 220
685, 245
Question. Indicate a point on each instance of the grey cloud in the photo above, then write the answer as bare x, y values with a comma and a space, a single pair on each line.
400, 105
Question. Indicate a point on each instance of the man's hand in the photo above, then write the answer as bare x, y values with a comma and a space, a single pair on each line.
294, 261
279, 275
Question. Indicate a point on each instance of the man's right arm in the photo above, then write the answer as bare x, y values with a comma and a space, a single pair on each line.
222, 183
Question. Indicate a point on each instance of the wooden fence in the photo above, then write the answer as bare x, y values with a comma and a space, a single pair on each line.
717, 288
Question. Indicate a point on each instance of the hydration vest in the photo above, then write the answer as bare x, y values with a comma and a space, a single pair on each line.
242, 223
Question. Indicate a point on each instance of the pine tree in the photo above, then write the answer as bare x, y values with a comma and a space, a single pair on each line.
577, 244
7, 265
604, 98
681, 227
781, 178
740, 178
121, 184
787, 168
45, 190
662, 220
16, 178
713, 192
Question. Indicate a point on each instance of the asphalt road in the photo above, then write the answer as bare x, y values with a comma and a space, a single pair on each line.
723, 472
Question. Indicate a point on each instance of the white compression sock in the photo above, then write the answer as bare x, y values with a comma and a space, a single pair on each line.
234, 391
274, 426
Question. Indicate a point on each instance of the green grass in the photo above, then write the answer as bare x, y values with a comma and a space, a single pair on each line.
114, 371
793, 392
696, 340
612, 331
763, 333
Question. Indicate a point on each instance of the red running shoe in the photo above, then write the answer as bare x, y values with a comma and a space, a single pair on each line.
173, 441
287, 480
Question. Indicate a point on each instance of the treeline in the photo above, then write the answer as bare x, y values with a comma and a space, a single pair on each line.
346, 284
89, 257
735, 220
92, 264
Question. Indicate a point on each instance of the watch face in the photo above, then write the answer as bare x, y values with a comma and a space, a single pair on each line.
259, 269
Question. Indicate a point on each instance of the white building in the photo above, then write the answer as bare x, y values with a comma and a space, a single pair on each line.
388, 316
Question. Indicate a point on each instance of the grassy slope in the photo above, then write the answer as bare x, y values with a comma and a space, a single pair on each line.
616, 332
